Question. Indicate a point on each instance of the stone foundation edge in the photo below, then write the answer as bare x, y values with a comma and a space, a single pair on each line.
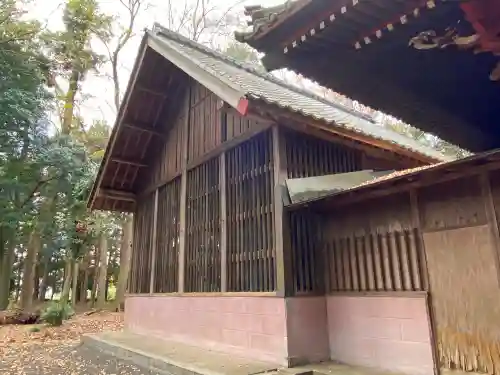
146, 361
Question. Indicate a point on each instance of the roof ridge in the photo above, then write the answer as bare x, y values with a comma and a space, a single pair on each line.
159, 29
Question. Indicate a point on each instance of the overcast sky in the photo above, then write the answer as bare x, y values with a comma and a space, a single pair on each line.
98, 88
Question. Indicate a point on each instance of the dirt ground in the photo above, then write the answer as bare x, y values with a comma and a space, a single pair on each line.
57, 350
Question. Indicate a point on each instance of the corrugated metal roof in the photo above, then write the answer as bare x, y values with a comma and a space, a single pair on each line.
263, 86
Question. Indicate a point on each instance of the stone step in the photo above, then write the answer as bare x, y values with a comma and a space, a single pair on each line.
172, 358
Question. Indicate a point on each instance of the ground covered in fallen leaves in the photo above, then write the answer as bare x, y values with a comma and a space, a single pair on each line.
57, 350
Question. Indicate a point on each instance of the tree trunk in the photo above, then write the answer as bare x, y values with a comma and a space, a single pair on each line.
84, 282
67, 281
69, 103
45, 276
36, 281
29, 271
5, 275
103, 268
74, 287
125, 254
95, 276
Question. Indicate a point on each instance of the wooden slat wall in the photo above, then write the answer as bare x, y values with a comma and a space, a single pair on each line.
374, 246
205, 131
306, 252
167, 248
251, 256
167, 162
141, 255
234, 125
203, 264
375, 262
308, 156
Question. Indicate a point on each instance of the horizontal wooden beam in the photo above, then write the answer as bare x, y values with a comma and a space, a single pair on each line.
254, 130
226, 146
117, 194
144, 128
287, 118
130, 162
153, 92
205, 294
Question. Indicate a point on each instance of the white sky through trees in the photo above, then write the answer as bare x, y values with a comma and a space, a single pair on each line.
97, 89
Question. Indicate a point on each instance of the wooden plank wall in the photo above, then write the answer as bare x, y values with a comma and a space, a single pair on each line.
460, 232
250, 201
204, 123
373, 246
167, 162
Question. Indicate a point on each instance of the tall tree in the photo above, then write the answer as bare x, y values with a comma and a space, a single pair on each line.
71, 51
23, 130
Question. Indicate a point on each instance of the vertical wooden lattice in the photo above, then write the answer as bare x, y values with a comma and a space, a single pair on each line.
142, 247
167, 238
305, 253
308, 156
375, 262
251, 254
203, 267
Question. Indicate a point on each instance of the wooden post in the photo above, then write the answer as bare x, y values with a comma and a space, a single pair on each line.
281, 220
183, 197
223, 222
153, 244
415, 218
491, 216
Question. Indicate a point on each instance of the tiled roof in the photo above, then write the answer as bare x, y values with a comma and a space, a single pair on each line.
263, 18
254, 84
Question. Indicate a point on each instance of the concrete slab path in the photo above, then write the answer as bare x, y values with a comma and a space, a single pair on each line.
173, 358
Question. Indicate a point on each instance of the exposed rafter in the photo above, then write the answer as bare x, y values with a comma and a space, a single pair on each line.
144, 128
135, 163
153, 92
117, 195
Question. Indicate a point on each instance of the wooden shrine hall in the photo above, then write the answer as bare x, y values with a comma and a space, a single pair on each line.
272, 224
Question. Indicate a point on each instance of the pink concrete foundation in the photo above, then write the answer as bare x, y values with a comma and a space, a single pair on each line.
389, 333
254, 327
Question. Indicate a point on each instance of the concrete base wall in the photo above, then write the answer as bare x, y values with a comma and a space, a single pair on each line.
249, 326
391, 333
307, 330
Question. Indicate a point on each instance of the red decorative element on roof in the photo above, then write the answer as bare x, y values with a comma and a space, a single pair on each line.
484, 16
242, 107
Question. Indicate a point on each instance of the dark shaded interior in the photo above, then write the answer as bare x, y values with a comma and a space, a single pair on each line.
443, 91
